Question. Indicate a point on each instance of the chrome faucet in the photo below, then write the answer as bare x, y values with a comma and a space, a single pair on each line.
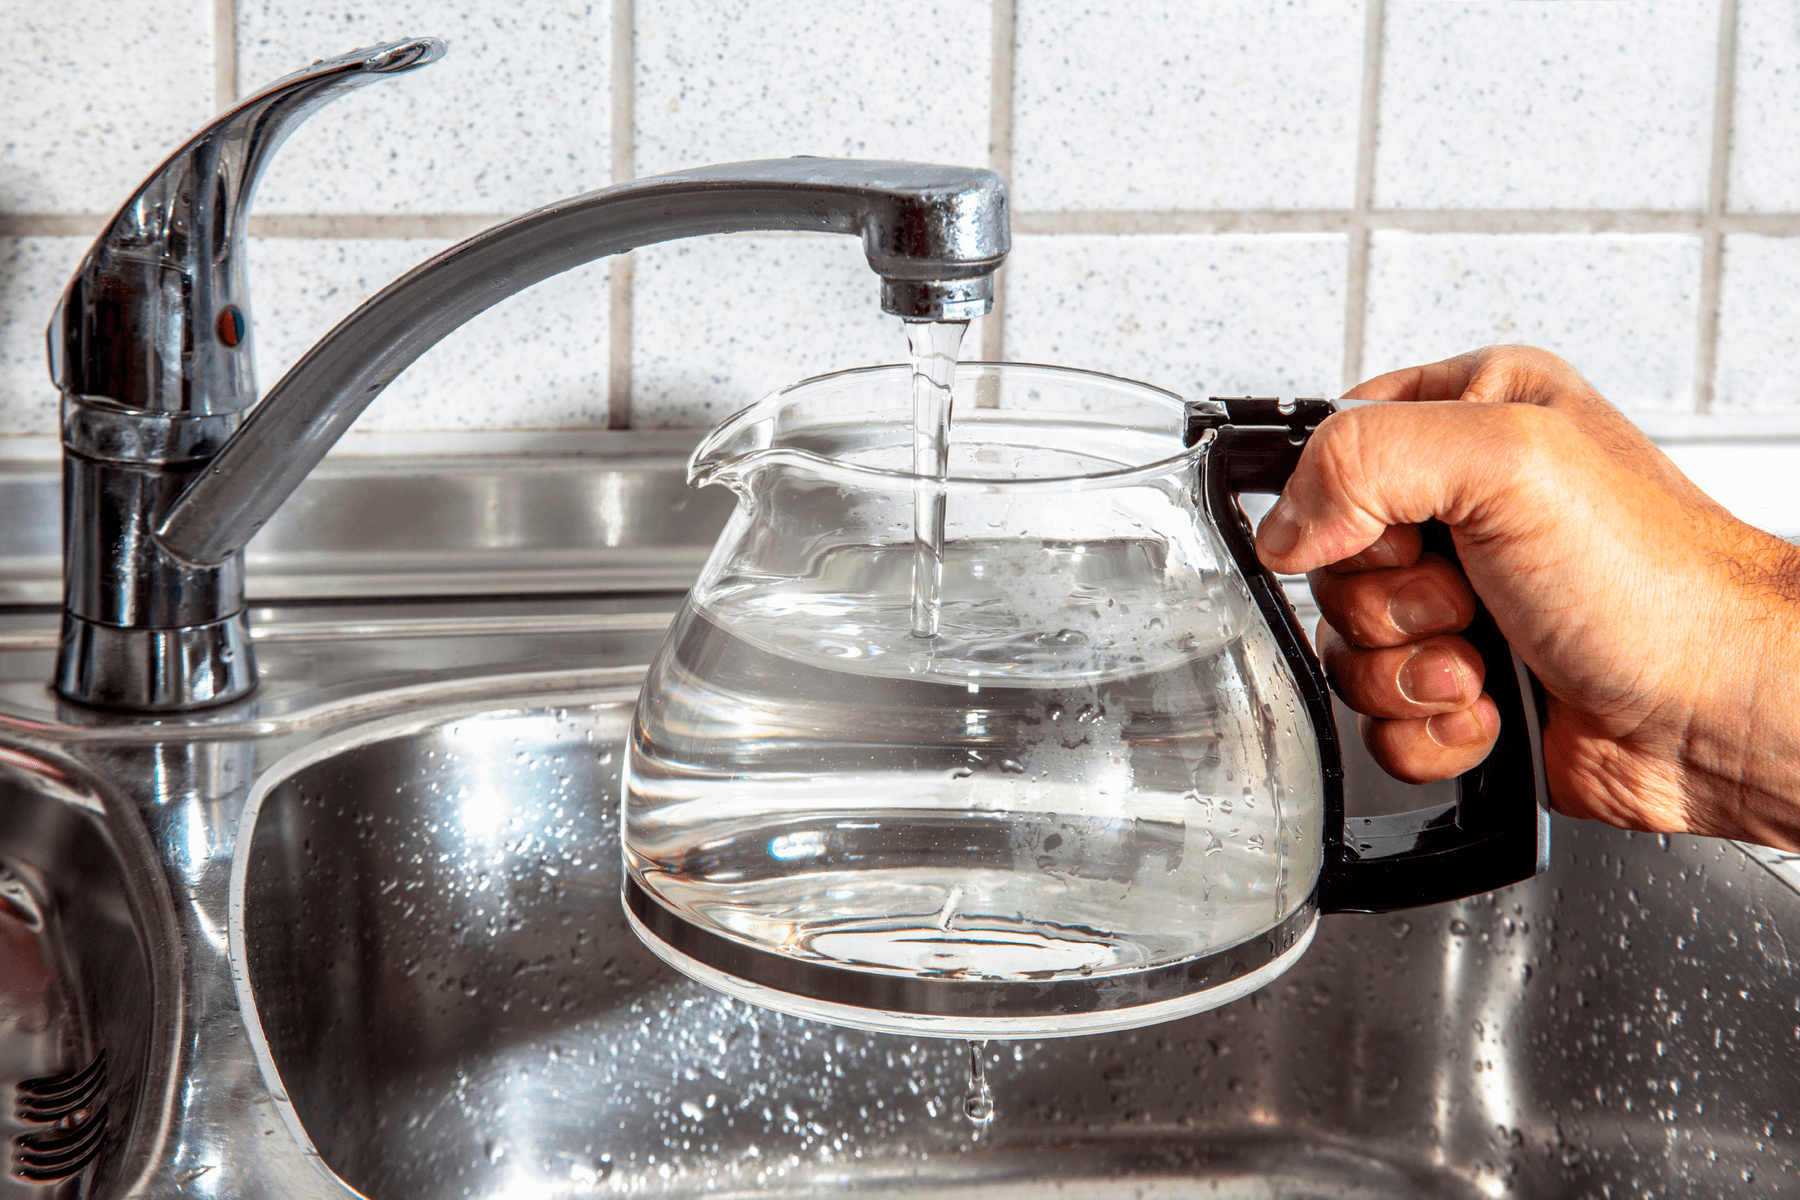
169, 470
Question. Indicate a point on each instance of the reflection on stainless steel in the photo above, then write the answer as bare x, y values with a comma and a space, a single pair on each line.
616, 517
166, 480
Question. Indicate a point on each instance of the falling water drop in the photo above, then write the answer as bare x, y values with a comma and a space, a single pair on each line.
978, 1105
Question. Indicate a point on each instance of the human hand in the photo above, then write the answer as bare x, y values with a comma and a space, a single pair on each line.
1665, 631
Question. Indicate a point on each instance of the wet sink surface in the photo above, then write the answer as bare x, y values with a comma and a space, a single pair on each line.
426, 920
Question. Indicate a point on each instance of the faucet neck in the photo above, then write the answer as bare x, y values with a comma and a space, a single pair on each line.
935, 234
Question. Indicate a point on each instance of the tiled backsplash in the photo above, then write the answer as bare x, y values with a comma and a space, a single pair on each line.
1225, 197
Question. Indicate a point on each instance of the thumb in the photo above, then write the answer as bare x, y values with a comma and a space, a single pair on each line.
1365, 469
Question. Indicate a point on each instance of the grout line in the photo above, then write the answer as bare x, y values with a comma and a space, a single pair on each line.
87, 225
225, 57
1000, 155
1339, 220
1120, 221
619, 279
1356, 264
1712, 243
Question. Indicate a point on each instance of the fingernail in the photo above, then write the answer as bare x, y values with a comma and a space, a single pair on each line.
1462, 728
1422, 606
1430, 677
1280, 530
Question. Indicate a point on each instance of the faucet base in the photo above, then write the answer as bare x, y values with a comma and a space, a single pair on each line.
155, 670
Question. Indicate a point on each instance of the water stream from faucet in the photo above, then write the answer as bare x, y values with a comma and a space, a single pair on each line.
934, 346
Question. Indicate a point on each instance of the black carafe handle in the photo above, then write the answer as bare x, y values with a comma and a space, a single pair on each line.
1497, 831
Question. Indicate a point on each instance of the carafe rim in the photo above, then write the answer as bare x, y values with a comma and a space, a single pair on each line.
708, 464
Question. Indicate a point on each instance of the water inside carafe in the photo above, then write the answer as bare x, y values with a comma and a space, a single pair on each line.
1020, 803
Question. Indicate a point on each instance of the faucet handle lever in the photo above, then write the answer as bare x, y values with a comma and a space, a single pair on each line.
156, 318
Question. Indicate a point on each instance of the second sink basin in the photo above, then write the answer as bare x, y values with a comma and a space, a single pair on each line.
86, 991
438, 975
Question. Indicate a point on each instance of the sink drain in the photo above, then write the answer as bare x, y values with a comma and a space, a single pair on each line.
64, 1103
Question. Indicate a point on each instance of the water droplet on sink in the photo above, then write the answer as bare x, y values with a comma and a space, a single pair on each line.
1459, 927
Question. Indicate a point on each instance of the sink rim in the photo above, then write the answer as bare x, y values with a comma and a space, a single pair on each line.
496, 702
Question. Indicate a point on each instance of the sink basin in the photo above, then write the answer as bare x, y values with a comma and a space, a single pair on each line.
85, 1034
446, 1001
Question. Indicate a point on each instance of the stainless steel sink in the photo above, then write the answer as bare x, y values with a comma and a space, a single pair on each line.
435, 993
426, 912
86, 1029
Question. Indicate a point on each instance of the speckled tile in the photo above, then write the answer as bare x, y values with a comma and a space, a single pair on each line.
516, 115
1620, 308
725, 81
1765, 115
537, 360
1221, 315
720, 322
33, 273
1510, 105
1759, 326
1231, 104
93, 94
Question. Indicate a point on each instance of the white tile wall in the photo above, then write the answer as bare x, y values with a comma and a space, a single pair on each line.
720, 322
538, 359
1765, 142
517, 115
1186, 180
1620, 308
1218, 315
1759, 326
35, 271
1153, 105
1510, 105
725, 81
93, 95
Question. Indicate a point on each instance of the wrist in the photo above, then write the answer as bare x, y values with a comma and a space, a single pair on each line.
1747, 728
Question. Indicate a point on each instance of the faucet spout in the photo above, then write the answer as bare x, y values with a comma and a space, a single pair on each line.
934, 234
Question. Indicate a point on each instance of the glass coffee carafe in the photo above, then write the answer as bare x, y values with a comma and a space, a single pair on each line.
1101, 788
